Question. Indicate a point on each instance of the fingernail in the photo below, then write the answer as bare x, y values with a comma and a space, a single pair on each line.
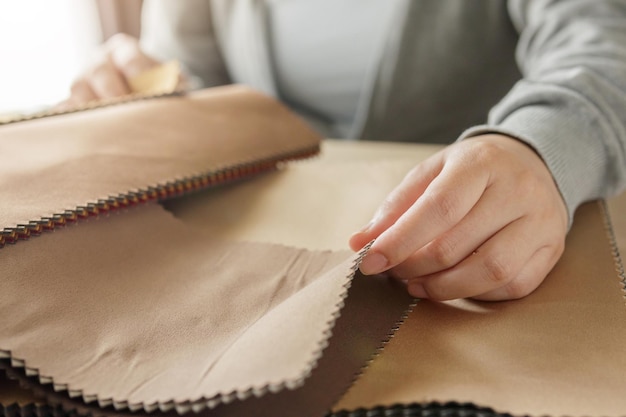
373, 263
417, 290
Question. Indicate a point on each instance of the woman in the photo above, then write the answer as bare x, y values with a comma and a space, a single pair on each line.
533, 91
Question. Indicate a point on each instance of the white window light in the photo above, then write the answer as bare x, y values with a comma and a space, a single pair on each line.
43, 46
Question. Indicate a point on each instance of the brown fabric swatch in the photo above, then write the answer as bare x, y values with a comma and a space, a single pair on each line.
559, 351
59, 163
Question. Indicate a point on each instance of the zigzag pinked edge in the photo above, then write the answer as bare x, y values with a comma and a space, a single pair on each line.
49, 406
32, 409
617, 257
159, 192
381, 347
202, 403
92, 105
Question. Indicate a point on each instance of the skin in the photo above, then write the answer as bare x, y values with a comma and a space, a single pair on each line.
120, 59
481, 219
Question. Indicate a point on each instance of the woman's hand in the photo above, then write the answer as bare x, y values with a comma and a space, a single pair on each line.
481, 219
120, 59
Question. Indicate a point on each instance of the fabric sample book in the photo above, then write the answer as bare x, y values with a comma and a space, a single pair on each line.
187, 254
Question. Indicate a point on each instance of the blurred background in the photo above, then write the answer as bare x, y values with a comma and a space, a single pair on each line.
44, 45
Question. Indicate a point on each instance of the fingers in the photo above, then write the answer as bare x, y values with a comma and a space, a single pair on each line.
449, 249
81, 92
120, 59
398, 201
493, 193
107, 81
529, 278
497, 270
491, 214
494, 265
445, 202
104, 81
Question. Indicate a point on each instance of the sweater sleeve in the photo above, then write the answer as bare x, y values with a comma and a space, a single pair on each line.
183, 30
570, 105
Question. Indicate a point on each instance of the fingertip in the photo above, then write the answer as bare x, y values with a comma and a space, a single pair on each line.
108, 82
417, 290
374, 263
354, 242
358, 240
81, 93
361, 237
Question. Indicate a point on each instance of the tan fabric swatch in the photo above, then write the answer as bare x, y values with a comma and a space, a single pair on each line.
58, 163
559, 351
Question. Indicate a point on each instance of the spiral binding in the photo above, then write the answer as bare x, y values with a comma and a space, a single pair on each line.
433, 409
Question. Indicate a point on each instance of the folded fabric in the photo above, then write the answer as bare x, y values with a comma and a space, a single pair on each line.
138, 311
134, 310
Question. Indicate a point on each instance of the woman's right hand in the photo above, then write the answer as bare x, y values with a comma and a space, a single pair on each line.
120, 59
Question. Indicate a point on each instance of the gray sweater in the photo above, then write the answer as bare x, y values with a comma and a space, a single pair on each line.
550, 73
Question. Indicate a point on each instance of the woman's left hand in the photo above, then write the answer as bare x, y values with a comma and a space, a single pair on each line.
482, 219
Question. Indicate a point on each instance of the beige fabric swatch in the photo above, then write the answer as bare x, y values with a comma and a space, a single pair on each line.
559, 351
371, 311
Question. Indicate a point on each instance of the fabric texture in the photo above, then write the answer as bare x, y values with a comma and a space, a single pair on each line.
550, 73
